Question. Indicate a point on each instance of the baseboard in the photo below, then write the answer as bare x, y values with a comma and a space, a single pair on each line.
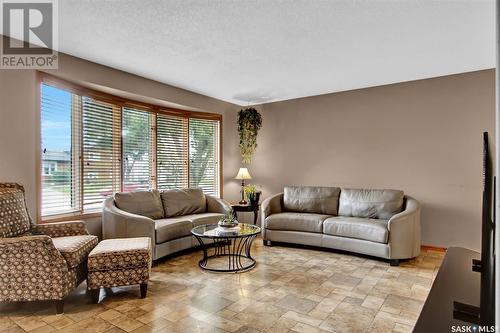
433, 248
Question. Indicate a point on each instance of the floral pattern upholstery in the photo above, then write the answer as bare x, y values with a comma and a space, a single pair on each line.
115, 278
63, 229
31, 266
14, 217
75, 249
31, 269
119, 262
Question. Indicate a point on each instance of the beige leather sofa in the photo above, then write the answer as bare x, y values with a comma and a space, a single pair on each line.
381, 223
166, 217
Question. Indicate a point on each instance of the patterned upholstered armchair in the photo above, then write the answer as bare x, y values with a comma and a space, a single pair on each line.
39, 262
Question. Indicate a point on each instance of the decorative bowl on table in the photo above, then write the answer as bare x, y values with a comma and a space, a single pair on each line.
227, 224
228, 221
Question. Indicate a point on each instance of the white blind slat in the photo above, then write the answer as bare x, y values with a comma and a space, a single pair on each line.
172, 164
203, 155
58, 193
101, 152
136, 136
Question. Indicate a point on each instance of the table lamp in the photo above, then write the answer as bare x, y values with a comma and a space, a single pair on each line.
242, 175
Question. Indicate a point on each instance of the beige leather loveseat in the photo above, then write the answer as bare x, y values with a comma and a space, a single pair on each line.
166, 217
381, 223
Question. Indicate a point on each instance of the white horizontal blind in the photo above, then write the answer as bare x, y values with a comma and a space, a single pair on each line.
101, 152
136, 148
203, 155
59, 195
171, 150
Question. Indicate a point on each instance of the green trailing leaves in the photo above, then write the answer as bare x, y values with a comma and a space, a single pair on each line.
249, 124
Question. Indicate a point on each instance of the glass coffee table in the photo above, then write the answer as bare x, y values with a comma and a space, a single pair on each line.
230, 252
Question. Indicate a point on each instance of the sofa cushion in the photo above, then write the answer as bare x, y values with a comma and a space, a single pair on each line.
204, 218
311, 199
14, 218
375, 204
144, 203
374, 230
75, 249
183, 201
296, 222
172, 228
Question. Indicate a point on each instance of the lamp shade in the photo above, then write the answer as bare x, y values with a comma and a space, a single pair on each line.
243, 174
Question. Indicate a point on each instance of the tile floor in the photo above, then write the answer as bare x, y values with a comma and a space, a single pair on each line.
290, 290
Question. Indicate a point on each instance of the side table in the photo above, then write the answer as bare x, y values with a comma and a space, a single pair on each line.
247, 208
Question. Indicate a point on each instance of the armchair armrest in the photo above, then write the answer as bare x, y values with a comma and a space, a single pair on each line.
117, 223
271, 205
62, 229
217, 205
404, 231
36, 270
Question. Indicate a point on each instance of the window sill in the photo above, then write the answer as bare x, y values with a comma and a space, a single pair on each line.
69, 217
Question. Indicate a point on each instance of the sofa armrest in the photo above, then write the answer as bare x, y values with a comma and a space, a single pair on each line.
217, 205
34, 262
117, 223
271, 205
404, 231
62, 229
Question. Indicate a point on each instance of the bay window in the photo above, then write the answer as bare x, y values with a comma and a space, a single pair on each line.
94, 144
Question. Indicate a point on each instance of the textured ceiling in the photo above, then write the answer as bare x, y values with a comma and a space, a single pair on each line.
267, 50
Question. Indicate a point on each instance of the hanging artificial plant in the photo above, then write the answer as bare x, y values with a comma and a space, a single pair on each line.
249, 123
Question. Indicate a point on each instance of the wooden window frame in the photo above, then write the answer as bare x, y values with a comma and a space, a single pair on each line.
57, 82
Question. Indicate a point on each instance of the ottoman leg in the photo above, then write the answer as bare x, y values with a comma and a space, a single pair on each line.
94, 293
144, 290
60, 306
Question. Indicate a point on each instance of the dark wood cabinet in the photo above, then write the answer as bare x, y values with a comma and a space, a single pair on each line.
247, 208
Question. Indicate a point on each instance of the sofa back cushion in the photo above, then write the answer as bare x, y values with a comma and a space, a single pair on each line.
14, 218
184, 201
375, 204
311, 199
144, 203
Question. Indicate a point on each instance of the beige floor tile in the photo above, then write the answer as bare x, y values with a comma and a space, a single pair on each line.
62, 323
290, 290
89, 325
373, 302
294, 303
302, 328
30, 323
126, 323
381, 325
401, 328
109, 314
226, 313
348, 317
302, 318
181, 313
43, 329
6, 324
395, 304
50, 318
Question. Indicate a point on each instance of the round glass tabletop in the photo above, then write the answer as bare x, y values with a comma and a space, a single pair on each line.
214, 231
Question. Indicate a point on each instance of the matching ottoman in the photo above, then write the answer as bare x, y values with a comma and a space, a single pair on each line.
119, 262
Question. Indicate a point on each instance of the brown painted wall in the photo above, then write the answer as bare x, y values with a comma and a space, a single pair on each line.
424, 137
